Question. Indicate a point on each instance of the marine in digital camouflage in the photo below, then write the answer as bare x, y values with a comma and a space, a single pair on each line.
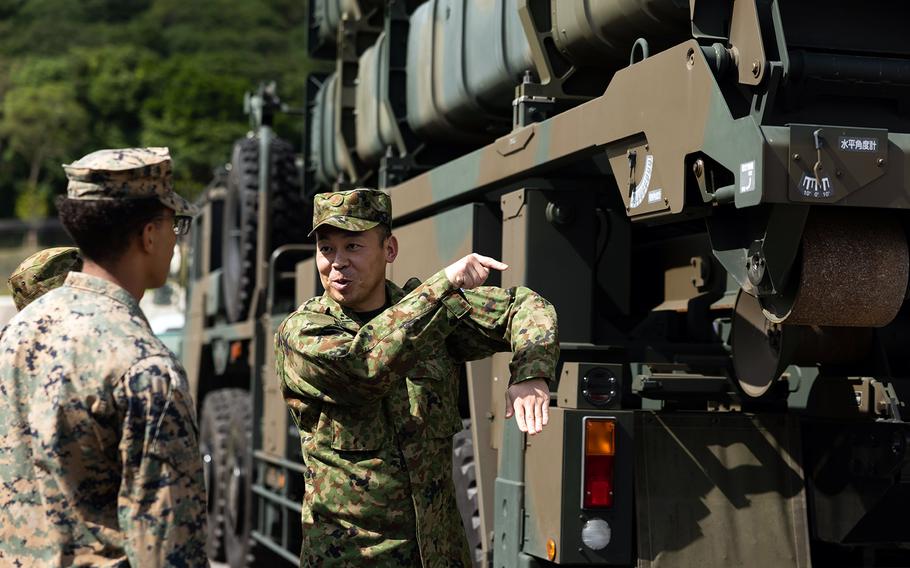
377, 405
354, 210
99, 462
42, 272
126, 173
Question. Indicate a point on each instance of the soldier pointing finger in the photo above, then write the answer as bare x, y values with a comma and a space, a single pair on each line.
370, 373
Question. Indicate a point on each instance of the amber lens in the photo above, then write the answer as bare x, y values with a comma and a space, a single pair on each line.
599, 438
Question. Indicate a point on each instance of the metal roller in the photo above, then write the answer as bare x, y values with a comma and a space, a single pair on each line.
853, 273
762, 349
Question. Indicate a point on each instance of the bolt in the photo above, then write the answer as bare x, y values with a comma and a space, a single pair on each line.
698, 168
756, 69
795, 157
838, 173
690, 58
880, 162
666, 201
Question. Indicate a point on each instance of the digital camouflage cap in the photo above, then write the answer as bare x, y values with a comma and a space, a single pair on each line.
354, 210
126, 173
42, 272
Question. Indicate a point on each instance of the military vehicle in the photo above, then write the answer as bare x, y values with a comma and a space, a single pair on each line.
714, 194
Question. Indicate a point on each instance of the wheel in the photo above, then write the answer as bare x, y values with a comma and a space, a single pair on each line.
288, 221
465, 477
237, 480
213, 426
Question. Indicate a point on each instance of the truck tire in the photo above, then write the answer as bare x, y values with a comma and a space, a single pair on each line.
238, 473
465, 477
214, 422
289, 218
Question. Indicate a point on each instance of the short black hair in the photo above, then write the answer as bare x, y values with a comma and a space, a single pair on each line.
103, 229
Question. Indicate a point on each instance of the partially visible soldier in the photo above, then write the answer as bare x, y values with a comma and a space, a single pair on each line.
42, 272
370, 373
99, 463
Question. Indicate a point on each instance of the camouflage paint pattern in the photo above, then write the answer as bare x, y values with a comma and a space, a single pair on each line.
377, 405
354, 210
99, 458
126, 173
41, 273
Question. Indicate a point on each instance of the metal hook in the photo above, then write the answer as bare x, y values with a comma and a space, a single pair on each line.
645, 50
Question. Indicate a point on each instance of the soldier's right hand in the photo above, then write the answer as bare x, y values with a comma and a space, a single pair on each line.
472, 271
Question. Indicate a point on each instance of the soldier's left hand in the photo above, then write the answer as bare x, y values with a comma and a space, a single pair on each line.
529, 401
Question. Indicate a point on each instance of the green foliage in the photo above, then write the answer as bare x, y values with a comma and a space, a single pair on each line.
79, 75
32, 202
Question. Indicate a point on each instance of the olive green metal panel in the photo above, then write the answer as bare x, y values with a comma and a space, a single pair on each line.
638, 100
720, 488
198, 308
274, 419
548, 239
464, 59
543, 482
428, 246
483, 406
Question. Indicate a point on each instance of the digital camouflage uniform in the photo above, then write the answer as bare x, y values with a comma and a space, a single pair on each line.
377, 404
42, 272
99, 462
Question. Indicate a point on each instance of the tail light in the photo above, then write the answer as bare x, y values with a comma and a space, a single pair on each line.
600, 449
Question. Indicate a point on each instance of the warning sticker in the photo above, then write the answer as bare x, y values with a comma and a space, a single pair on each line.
747, 177
655, 195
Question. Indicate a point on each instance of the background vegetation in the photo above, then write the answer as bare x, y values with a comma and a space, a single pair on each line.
79, 75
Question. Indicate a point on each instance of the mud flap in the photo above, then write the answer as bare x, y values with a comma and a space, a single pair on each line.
736, 495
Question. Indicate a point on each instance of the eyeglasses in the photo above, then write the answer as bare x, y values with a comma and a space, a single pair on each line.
182, 225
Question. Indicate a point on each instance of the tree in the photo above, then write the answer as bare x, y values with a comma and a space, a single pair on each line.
42, 125
79, 76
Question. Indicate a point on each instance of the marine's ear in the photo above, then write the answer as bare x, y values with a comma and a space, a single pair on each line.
148, 237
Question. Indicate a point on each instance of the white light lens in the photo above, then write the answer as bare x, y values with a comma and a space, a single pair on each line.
596, 534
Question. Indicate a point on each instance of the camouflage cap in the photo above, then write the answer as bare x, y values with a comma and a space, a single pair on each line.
126, 173
355, 210
42, 272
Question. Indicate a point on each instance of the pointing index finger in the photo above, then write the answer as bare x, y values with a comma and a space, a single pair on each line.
491, 262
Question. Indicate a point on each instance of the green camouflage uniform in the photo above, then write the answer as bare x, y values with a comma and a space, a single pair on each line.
41, 273
377, 404
99, 460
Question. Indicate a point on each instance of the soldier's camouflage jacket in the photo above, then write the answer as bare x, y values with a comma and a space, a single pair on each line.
99, 463
376, 405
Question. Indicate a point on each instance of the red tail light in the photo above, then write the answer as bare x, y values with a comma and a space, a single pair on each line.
600, 449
